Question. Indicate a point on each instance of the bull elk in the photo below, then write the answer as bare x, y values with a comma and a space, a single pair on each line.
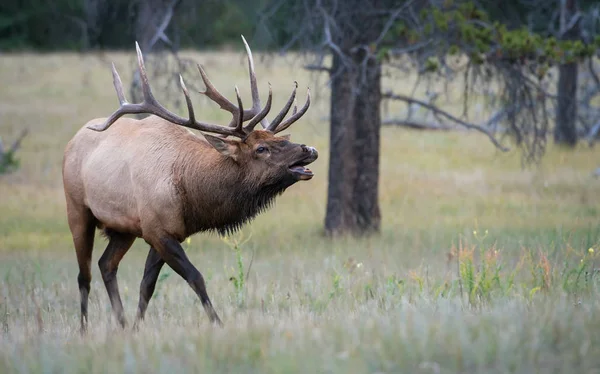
156, 180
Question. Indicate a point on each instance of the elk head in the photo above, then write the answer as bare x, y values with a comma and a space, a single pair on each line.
268, 159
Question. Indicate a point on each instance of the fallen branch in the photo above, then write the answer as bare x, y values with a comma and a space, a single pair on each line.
416, 125
447, 115
314, 67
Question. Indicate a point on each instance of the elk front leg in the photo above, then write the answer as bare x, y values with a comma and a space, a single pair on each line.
151, 271
174, 255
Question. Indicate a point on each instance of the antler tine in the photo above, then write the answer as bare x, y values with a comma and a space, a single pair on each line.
263, 113
212, 93
146, 90
188, 100
295, 116
118, 85
277, 120
122, 102
253, 85
240, 112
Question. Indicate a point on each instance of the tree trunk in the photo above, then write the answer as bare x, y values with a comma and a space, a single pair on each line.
352, 198
367, 126
148, 17
565, 130
342, 163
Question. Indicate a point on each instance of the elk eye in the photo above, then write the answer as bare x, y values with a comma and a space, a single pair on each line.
261, 149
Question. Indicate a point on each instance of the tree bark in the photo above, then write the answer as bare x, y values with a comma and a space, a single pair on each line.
342, 165
367, 125
352, 198
565, 130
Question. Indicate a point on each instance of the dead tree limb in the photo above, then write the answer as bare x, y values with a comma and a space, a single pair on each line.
316, 67
443, 113
417, 125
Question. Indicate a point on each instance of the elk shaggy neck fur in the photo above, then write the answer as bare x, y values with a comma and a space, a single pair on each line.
219, 196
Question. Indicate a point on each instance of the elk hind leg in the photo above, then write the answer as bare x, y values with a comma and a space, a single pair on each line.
154, 263
83, 224
118, 245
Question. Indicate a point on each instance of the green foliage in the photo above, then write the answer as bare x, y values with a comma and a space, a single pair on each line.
432, 64
469, 29
336, 285
8, 163
481, 279
580, 278
463, 27
239, 278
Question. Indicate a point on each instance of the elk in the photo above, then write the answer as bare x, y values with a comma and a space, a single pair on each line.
155, 179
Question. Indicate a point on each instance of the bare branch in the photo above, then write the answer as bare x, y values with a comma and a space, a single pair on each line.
417, 125
160, 30
449, 116
17, 143
593, 72
593, 133
390, 22
315, 67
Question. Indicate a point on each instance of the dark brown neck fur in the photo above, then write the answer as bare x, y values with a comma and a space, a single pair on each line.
217, 196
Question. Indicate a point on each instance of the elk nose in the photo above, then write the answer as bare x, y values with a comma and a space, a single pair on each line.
311, 150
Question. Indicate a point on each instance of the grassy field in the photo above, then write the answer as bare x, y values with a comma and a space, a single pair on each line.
481, 265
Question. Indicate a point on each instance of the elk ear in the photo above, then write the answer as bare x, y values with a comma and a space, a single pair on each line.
286, 136
226, 147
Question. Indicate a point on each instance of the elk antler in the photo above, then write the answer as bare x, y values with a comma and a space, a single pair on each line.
235, 128
275, 125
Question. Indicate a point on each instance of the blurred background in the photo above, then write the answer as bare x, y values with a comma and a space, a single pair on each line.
458, 171
522, 73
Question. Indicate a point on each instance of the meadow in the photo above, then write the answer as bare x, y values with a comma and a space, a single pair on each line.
482, 266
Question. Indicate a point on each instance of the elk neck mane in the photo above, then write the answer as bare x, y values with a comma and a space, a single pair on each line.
217, 194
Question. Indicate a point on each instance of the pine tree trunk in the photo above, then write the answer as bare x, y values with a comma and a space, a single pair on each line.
352, 199
367, 125
342, 161
565, 130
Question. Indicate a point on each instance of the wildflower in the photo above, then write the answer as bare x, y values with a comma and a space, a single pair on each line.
591, 251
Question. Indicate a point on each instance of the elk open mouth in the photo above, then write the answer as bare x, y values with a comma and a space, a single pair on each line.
300, 171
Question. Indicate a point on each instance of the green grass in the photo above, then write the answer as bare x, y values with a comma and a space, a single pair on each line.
481, 266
